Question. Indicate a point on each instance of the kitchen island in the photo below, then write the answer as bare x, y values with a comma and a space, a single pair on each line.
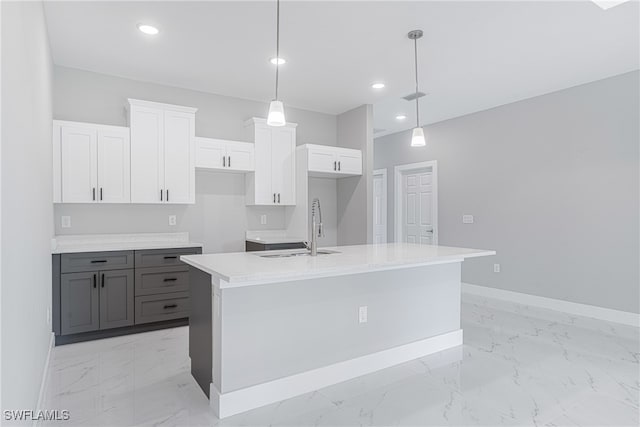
267, 326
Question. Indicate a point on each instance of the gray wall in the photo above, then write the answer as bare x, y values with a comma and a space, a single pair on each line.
219, 218
553, 184
26, 202
355, 194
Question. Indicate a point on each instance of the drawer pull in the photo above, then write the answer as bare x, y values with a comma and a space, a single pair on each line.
171, 257
170, 306
171, 279
98, 261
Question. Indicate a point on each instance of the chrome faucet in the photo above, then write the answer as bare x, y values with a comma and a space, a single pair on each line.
314, 224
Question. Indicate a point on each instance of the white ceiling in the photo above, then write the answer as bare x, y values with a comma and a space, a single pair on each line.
474, 55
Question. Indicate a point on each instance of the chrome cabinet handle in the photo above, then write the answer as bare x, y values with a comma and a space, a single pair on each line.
167, 195
102, 280
339, 166
100, 193
335, 167
229, 162
161, 196
224, 161
95, 280
278, 197
94, 193
274, 197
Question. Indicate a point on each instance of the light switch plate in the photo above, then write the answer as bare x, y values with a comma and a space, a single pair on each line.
496, 268
263, 219
65, 221
362, 314
467, 219
172, 220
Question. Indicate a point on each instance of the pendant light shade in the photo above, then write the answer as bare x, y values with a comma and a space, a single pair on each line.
276, 114
276, 108
417, 138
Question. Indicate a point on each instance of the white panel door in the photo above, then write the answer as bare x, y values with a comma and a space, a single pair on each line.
79, 158
147, 155
179, 165
240, 156
379, 209
322, 160
350, 162
114, 166
283, 148
263, 191
418, 208
210, 153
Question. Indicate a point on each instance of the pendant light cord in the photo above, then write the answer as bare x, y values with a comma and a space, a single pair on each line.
415, 46
277, 43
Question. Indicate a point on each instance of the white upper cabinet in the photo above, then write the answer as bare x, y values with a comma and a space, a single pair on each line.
218, 154
273, 181
91, 163
332, 162
162, 152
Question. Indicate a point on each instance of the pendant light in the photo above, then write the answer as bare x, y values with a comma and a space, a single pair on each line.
276, 108
417, 137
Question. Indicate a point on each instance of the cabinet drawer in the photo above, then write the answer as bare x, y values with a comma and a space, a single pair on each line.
92, 261
159, 280
163, 257
155, 308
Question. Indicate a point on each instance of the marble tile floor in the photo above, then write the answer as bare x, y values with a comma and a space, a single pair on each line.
519, 365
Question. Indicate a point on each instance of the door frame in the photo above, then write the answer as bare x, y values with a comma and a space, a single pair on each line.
383, 173
401, 170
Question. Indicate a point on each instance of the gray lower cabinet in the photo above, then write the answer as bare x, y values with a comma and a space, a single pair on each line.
79, 298
100, 294
116, 299
96, 300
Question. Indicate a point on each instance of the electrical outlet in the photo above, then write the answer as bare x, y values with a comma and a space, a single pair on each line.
467, 219
172, 220
362, 314
65, 221
496, 268
263, 219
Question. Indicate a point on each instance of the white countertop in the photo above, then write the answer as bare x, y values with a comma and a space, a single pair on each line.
272, 237
120, 242
249, 268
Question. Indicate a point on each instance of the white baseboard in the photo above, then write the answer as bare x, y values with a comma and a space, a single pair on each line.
235, 402
45, 375
601, 313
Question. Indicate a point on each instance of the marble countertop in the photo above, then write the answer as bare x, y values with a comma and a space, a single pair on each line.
249, 268
272, 237
120, 242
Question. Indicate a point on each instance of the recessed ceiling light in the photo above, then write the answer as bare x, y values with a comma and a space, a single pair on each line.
401, 117
377, 85
278, 61
608, 4
148, 29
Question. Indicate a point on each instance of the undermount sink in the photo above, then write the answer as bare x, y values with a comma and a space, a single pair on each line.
294, 254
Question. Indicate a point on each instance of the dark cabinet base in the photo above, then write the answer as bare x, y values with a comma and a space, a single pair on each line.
116, 332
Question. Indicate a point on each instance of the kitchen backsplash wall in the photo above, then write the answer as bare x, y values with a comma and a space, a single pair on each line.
219, 217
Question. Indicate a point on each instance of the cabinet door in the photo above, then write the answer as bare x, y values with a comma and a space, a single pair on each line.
79, 302
116, 298
350, 162
79, 159
322, 160
179, 156
263, 191
210, 153
283, 147
114, 166
240, 156
147, 154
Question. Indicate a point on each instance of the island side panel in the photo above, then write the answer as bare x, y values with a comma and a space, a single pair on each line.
201, 328
277, 330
